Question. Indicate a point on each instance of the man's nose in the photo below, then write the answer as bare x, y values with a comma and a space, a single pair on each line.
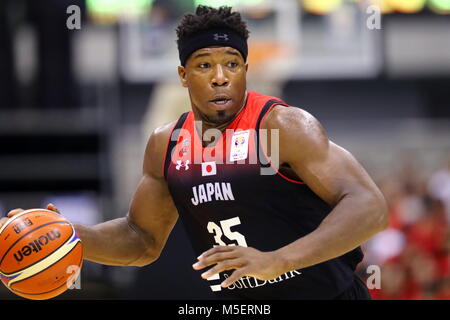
219, 78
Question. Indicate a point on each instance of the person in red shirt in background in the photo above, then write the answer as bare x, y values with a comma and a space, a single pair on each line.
395, 283
421, 270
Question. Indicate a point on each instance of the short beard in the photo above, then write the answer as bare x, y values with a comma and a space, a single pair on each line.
219, 118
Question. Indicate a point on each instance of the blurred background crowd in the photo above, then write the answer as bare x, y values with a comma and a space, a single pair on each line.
84, 82
413, 252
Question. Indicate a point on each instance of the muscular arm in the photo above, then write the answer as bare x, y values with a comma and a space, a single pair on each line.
359, 209
138, 238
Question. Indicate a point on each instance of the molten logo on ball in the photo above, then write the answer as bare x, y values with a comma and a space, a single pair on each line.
36, 245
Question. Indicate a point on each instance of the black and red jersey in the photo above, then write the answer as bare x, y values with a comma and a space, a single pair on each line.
230, 194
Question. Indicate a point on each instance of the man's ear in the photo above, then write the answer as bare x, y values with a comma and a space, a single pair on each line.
182, 75
246, 67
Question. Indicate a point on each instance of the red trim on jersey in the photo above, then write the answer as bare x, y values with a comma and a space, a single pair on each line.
288, 179
265, 154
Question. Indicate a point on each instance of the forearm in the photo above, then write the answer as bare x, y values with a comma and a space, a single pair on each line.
352, 221
115, 242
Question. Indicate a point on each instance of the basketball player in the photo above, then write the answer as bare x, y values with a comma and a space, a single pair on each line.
291, 231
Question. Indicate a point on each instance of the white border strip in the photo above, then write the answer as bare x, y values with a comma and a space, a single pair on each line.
21, 214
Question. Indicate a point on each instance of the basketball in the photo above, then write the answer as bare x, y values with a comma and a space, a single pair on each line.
40, 254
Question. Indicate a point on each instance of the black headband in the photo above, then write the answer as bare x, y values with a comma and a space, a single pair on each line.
223, 37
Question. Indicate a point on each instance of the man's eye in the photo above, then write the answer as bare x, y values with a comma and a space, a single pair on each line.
232, 64
204, 65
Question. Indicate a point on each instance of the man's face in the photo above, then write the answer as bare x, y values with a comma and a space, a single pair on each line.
216, 80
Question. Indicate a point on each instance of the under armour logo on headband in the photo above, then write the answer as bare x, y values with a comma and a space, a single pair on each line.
222, 36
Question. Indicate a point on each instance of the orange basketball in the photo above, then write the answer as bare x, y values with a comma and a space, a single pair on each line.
40, 254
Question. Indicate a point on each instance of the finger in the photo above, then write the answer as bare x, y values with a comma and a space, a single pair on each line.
14, 212
222, 266
52, 207
2, 221
235, 276
213, 259
215, 250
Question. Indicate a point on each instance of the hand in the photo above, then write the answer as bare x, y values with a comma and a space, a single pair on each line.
246, 262
14, 212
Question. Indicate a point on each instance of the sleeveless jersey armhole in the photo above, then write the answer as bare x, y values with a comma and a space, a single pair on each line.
264, 112
171, 143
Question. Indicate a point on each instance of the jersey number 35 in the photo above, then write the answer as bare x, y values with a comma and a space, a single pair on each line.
224, 230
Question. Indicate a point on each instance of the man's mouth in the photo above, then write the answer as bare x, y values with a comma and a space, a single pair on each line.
220, 102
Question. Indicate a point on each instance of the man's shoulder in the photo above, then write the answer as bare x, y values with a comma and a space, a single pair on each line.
288, 117
163, 132
300, 133
156, 149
